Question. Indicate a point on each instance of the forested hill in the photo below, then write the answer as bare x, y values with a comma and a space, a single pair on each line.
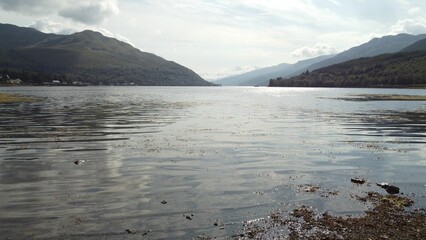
87, 57
404, 69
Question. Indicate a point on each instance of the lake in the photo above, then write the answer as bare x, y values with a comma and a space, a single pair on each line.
182, 162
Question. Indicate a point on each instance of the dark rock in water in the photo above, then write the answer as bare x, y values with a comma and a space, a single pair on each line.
78, 162
392, 189
389, 188
358, 180
164, 202
129, 231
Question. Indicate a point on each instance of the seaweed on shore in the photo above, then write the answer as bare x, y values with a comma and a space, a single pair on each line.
387, 219
13, 98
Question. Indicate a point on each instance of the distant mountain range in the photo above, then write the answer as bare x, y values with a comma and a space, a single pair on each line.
261, 77
376, 46
89, 57
404, 69
239, 79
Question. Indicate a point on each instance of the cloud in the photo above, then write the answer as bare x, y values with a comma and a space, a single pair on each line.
117, 36
317, 50
414, 11
225, 72
39, 7
409, 26
47, 26
94, 12
89, 11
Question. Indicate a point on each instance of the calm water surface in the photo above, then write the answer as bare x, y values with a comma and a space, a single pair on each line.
216, 155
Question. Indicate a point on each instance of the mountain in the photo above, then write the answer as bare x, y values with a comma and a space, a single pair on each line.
289, 71
12, 36
261, 77
403, 69
375, 47
237, 80
417, 46
89, 57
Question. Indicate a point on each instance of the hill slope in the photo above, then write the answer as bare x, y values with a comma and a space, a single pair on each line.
12, 36
417, 46
89, 57
403, 69
375, 47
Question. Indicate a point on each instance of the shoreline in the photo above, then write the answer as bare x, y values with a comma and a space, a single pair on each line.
387, 217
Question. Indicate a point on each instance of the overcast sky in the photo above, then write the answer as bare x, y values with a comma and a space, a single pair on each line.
221, 37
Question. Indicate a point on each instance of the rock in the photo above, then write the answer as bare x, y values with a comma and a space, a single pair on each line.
309, 188
392, 189
78, 162
189, 217
129, 231
389, 188
216, 223
358, 180
382, 184
164, 202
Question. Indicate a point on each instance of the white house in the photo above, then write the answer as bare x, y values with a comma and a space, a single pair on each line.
15, 81
56, 82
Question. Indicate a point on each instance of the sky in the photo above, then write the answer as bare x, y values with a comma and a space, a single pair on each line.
218, 38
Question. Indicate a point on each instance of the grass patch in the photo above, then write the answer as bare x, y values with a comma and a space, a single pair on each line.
13, 98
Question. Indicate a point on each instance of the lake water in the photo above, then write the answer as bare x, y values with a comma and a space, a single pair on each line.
217, 155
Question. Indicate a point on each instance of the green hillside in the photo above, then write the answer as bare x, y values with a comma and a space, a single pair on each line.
404, 69
88, 57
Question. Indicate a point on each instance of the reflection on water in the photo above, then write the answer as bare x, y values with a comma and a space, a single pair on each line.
224, 155
404, 125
